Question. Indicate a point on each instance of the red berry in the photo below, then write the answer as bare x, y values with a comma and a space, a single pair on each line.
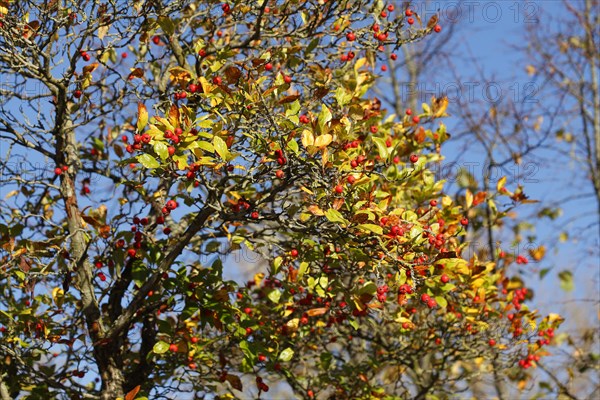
254, 215
408, 111
433, 203
393, 56
171, 150
444, 278
262, 358
414, 158
77, 94
173, 347
408, 12
416, 119
268, 66
58, 171
437, 29
410, 20
350, 36
155, 39
351, 179
279, 174
217, 80
287, 79
294, 253
171, 204
425, 298
464, 221
339, 189
390, 8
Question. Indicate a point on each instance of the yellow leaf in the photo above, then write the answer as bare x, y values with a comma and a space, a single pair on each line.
292, 324
315, 210
308, 139
446, 201
439, 106
57, 292
323, 140
142, 117
258, 278
469, 198
538, 254
530, 70
181, 76
501, 183
11, 194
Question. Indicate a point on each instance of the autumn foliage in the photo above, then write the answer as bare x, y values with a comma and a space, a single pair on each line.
179, 133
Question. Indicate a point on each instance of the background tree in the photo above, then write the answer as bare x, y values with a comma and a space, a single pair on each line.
512, 135
181, 132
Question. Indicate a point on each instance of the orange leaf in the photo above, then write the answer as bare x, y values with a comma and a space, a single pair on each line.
136, 73
232, 74
479, 198
174, 115
432, 21
316, 311
131, 395
289, 99
88, 69
235, 381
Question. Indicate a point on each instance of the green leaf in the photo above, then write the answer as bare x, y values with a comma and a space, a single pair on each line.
221, 148
381, 147
160, 347
148, 161
161, 149
167, 25
274, 296
566, 281
293, 146
277, 264
302, 269
286, 355
342, 96
426, 108
442, 302
326, 358
368, 288
293, 108
206, 146
324, 117
335, 216
371, 228
544, 272
311, 46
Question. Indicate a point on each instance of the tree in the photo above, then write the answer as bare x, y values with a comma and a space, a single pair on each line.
180, 132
